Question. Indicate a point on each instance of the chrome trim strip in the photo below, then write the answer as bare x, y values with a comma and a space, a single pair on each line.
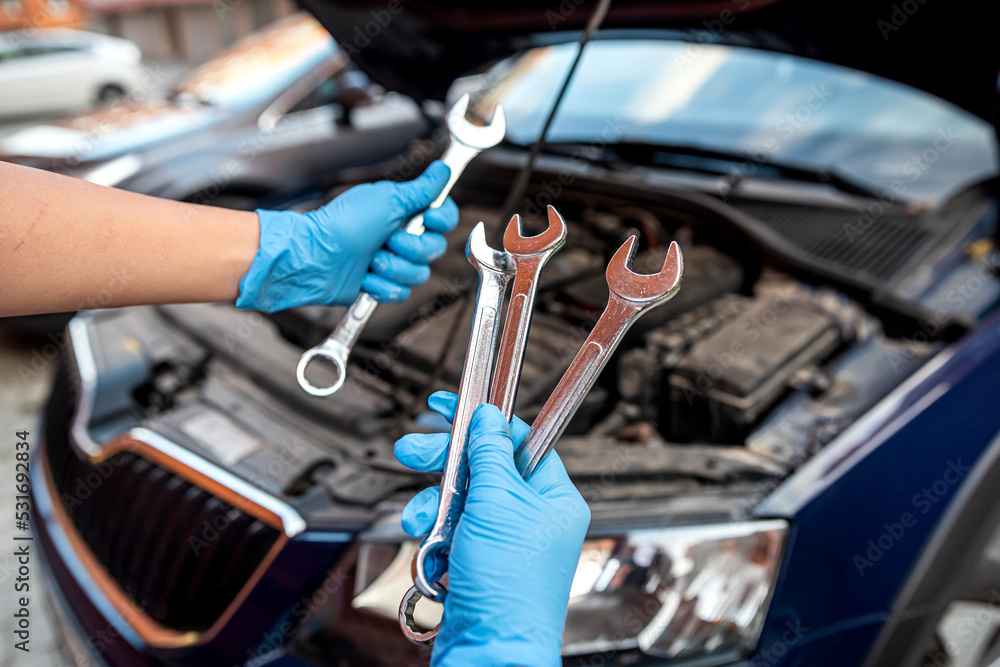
291, 520
86, 368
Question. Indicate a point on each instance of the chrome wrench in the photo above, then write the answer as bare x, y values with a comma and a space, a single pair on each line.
494, 268
466, 142
529, 255
631, 295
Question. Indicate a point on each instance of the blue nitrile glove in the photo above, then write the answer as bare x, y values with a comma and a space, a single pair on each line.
515, 550
328, 255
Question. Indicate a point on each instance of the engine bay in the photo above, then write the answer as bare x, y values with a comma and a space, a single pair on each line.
735, 382
725, 389
709, 402
702, 371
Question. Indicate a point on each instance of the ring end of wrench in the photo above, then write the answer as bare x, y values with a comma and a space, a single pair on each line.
429, 555
407, 623
338, 363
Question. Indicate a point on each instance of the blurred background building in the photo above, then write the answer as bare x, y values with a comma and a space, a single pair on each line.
28, 14
183, 31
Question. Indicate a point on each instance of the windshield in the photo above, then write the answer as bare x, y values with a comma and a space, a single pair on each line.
766, 106
257, 68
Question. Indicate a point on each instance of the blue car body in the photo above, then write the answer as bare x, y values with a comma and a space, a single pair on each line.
878, 503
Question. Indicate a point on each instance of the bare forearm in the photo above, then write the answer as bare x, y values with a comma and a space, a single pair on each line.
68, 245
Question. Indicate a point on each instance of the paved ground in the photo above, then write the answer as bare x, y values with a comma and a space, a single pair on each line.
20, 403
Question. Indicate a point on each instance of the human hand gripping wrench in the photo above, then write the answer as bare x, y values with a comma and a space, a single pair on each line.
466, 142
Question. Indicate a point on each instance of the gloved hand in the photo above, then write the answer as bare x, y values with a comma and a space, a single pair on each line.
328, 255
515, 550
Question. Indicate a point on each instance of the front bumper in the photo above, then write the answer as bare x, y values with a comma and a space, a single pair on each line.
82, 649
110, 628
94, 635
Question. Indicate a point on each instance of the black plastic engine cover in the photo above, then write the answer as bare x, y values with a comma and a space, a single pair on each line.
724, 383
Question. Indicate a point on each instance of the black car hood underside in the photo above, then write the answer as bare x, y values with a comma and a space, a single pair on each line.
418, 47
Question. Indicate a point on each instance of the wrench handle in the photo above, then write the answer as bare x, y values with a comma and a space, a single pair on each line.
456, 156
510, 359
338, 345
576, 383
430, 562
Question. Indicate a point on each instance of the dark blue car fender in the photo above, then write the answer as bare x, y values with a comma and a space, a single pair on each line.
865, 511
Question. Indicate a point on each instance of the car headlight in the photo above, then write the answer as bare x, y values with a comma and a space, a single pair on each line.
677, 592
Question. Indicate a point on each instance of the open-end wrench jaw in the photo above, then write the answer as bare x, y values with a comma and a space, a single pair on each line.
516, 243
482, 256
651, 289
528, 255
475, 136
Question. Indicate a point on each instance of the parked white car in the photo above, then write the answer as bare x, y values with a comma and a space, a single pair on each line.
48, 71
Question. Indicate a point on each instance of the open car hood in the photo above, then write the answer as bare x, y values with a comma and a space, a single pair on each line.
418, 47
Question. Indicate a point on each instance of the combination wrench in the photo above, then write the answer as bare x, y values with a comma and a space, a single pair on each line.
466, 142
495, 269
631, 295
529, 254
